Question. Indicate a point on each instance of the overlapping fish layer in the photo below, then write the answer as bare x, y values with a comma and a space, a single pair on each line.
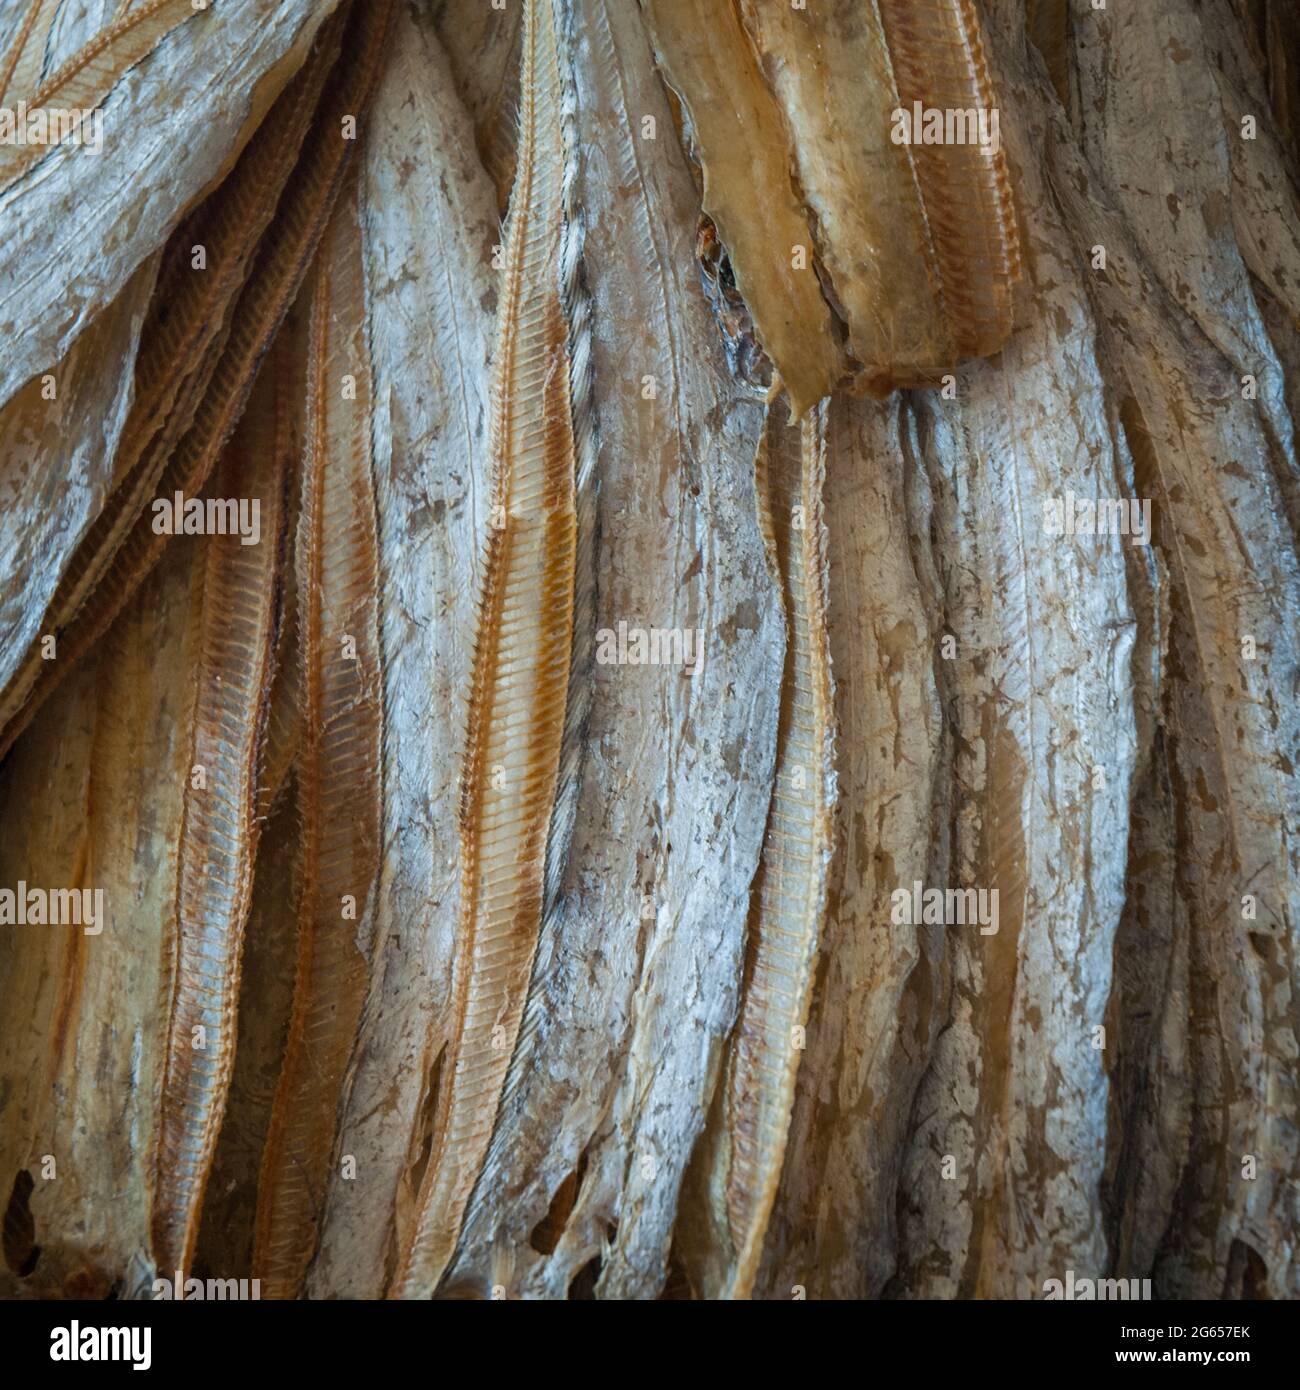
751, 749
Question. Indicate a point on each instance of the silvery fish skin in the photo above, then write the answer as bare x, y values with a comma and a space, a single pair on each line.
641, 962
1213, 453
48, 511
832, 1230
74, 243
1040, 694
520, 730
429, 223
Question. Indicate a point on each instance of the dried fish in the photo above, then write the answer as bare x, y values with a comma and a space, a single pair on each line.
79, 231
757, 1095
85, 79
831, 73
338, 764
1208, 450
95, 804
219, 828
190, 321
639, 964
478, 886
938, 58
516, 723
747, 192
879, 992
1038, 682
429, 231
280, 263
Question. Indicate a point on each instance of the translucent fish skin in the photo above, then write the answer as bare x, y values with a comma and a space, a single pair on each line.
707, 58
911, 241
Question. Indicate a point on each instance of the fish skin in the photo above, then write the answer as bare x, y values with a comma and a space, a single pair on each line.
631, 1013
1040, 694
1234, 738
736, 1170
829, 69
47, 508
879, 987
482, 47
429, 225
72, 245
219, 826
339, 787
519, 720
93, 797
706, 57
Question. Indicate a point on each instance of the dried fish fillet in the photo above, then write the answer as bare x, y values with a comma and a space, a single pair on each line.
790, 888
85, 79
830, 70
429, 228
1204, 447
707, 58
1038, 679
79, 231
281, 261
877, 1003
188, 325
639, 966
220, 827
338, 764
937, 53
517, 709
93, 803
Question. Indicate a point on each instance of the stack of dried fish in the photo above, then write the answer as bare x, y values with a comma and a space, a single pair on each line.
649, 650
